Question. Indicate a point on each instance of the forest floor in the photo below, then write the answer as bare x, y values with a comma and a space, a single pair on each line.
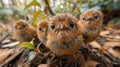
105, 50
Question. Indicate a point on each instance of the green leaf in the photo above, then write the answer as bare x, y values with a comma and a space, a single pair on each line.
31, 56
27, 44
33, 3
36, 15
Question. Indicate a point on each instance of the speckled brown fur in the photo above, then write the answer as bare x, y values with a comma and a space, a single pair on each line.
90, 25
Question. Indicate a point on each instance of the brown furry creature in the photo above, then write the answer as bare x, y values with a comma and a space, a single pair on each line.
64, 37
42, 31
90, 23
24, 32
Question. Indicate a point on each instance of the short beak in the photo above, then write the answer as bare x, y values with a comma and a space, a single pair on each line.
18, 27
44, 30
61, 26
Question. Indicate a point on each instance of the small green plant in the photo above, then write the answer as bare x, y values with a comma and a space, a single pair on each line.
28, 45
31, 46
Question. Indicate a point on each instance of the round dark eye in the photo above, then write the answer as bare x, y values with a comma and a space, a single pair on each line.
96, 16
83, 18
71, 24
40, 29
15, 27
52, 26
24, 25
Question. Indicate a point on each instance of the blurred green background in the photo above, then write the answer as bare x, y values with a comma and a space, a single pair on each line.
36, 10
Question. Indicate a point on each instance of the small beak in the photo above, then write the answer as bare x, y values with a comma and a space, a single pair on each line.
61, 26
44, 30
89, 18
18, 27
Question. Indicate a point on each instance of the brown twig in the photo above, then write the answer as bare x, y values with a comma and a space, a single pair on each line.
4, 37
97, 55
110, 29
111, 37
48, 6
112, 40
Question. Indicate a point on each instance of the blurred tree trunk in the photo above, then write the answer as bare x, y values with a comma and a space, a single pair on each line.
2, 3
48, 10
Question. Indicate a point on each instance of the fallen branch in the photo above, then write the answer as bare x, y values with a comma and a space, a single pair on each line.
13, 56
111, 37
3, 38
106, 60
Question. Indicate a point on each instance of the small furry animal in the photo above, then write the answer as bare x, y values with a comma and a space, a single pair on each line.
42, 31
90, 23
64, 37
24, 32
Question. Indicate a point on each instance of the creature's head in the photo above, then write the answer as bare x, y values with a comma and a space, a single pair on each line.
92, 17
42, 27
64, 26
21, 24
42, 30
64, 37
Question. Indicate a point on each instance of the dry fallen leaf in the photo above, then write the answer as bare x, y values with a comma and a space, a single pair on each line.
103, 33
94, 44
5, 53
115, 53
111, 45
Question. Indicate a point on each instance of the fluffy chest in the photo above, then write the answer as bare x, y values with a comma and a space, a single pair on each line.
64, 48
